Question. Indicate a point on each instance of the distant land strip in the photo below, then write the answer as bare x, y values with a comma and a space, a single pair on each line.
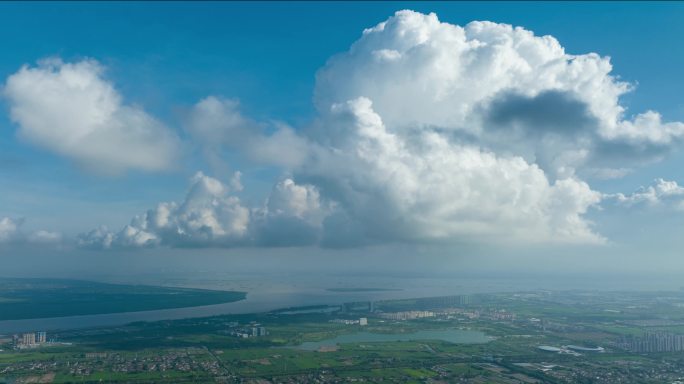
363, 289
43, 298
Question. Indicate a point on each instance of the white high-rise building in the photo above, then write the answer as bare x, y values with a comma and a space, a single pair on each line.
28, 338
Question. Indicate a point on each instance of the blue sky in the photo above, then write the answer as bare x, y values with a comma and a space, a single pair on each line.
164, 58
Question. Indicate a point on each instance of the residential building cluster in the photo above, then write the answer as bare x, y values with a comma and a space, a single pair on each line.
30, 339
407, 315
456, 313
655, 342
502, 314
255, 331
361, 321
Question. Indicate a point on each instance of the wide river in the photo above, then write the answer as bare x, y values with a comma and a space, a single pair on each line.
261, 297
270, 294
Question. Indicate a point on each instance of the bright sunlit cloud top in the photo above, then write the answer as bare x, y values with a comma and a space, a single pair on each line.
420, 131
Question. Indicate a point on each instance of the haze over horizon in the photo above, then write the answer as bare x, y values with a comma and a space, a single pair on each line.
419, 139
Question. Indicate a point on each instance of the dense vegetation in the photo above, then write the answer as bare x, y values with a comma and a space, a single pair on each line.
40, 298
203, 350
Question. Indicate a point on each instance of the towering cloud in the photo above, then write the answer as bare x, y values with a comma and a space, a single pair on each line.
371, 186
71, 110
426, 132
498, 86
423, 186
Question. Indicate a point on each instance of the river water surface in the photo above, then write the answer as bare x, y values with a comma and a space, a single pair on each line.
267, 294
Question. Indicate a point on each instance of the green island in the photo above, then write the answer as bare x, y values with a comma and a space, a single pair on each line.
523, 337
41, 298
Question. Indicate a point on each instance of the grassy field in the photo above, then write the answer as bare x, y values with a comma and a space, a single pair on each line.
40, 298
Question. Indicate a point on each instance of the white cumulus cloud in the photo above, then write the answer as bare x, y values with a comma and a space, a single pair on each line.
662, 194
426, 132
422, 186
11, 232
293, 214
208, 216
218, 124
72, 110
499, 86
9, 229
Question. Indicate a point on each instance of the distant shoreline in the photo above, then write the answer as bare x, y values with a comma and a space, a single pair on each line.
29, 299
363, 289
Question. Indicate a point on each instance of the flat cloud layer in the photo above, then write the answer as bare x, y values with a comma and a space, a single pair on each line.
71, 110
427, 132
